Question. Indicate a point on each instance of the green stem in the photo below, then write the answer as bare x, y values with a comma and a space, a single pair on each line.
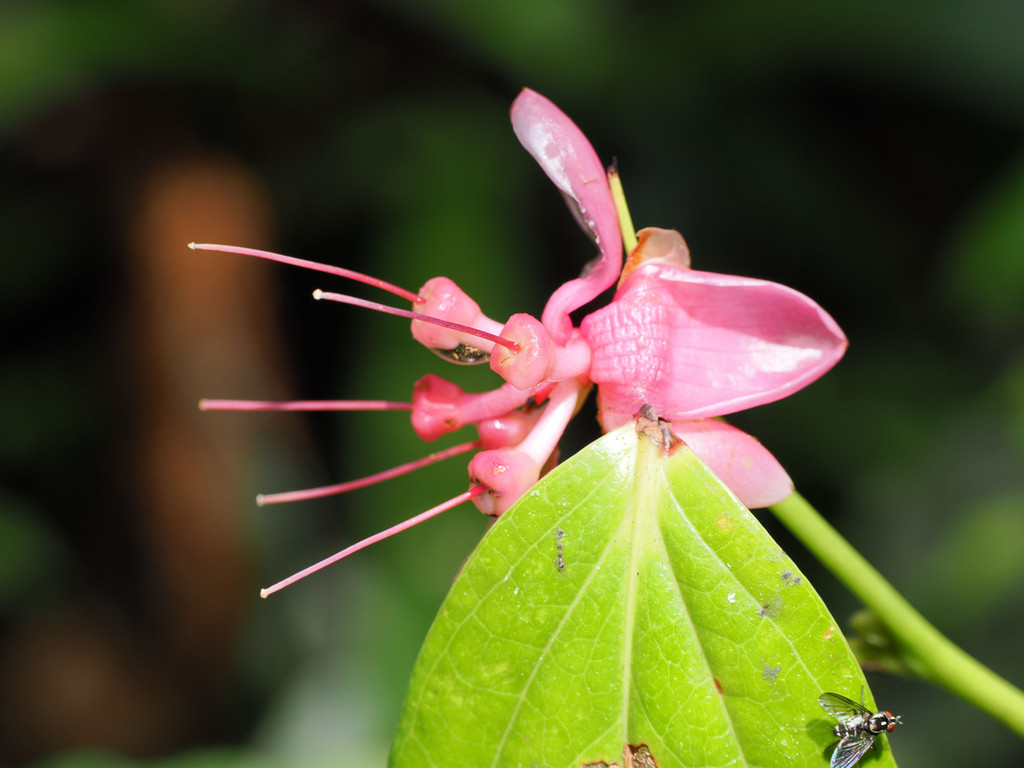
625, 220
930, 652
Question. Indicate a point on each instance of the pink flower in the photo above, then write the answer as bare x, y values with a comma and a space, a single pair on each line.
693, 345
696, 345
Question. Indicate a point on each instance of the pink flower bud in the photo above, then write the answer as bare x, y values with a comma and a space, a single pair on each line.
506, 474
442, 298
507, 430
532, 363
436, 407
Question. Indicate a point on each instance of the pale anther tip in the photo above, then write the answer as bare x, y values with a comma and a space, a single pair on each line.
259, 499
264, 593
192, 246
318, 294
202, 405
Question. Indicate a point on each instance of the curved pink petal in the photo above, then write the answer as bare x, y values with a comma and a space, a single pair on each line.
571, 162
698, 344
741, 462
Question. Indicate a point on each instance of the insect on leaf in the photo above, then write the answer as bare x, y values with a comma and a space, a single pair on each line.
627, 611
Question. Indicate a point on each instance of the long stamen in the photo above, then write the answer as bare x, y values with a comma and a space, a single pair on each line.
328, 268
303, 405
332, 490
343, 299
472, 493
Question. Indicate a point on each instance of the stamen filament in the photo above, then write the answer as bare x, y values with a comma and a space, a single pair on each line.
314, 265
332, 490
303, 405
343, 299
472, 493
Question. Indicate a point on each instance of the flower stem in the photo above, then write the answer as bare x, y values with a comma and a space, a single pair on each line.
927, 651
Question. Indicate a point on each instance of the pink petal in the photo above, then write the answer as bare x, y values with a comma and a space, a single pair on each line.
741, 462
698, 344
568, 159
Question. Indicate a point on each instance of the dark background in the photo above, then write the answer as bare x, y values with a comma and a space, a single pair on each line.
867, 153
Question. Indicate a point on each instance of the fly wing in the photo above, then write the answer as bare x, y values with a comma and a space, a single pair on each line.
851, 749
842, 708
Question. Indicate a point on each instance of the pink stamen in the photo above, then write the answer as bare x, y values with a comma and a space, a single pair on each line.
328, 268
472, 493
333, 490
303, 405
343, 299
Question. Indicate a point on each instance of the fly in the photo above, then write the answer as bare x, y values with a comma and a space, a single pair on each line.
857, 727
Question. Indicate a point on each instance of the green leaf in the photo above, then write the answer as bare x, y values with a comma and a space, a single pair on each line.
628, 599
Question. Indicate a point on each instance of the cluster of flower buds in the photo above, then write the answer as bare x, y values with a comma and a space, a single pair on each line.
692, 345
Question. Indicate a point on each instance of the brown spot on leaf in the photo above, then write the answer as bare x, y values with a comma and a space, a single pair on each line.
771, 609
638, 756
633, 756
718, 685
660, 431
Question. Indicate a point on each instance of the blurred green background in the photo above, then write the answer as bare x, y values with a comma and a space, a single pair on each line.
867, 153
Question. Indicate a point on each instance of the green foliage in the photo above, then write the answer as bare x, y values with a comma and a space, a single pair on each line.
29, 557
628, 599
986, 274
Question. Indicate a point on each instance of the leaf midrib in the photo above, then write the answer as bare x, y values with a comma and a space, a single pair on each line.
633, 518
